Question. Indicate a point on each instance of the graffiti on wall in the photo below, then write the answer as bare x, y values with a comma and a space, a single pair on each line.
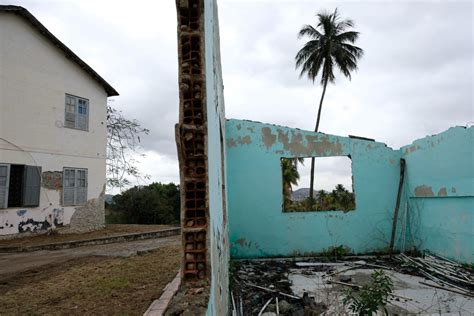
51, 220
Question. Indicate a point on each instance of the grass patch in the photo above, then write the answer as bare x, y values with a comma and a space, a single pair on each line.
93, 286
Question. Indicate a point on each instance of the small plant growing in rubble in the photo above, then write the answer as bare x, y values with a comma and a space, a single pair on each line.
335, 253
368, 299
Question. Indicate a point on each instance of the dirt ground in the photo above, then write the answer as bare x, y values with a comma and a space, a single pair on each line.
91, 285
108, 231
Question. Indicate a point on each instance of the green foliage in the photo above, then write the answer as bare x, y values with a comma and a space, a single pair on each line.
371, 297
156, 203
336, 253
338, 199
291, 176
330, 47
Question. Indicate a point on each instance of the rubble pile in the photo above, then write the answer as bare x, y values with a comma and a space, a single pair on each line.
317, 287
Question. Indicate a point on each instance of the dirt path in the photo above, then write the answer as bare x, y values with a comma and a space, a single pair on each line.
93, 280
13, 263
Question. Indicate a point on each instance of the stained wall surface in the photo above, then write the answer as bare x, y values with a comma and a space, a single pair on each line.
437, 200
440, 193
258, 227
218, 229
200, 136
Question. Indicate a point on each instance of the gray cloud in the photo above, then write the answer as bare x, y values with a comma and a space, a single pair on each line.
415, 79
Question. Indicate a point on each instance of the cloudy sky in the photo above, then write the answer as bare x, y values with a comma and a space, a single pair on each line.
415, 79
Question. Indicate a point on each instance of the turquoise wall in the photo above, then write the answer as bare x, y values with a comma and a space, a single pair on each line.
218, 229
440, 191
437, 202
259, 228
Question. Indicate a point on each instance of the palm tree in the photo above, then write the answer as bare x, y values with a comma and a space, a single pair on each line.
329, 46
291, 176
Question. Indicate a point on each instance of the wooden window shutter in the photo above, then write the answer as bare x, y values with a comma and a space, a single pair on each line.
31, 186
4, 180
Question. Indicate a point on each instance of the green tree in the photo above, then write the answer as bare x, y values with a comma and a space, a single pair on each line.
330, 45
156, 203
291, 176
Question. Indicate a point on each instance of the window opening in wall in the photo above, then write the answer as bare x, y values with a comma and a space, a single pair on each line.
333, 187
20, 185
15, 191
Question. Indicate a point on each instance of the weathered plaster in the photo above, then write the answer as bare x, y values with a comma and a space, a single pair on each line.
218, 239
440, 192
424, 191
90, 216
52, 180
259, 228
36, 136
255, 200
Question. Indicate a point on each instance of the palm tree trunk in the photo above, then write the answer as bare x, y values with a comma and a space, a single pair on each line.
311, 181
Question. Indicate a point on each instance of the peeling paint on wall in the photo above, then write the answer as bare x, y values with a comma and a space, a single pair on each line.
319, 145
442, 192
255, 198
52, 180
423, 191
256, 201
90, 216
442, 222
231, 143
267, 137
244, 140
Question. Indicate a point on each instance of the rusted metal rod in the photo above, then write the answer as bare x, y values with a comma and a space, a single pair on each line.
397, 206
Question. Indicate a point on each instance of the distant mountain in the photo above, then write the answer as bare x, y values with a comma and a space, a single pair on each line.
302, 194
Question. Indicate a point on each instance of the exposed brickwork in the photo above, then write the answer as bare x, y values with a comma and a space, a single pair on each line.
191, 139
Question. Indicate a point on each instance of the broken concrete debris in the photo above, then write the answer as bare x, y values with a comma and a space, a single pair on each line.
286, 287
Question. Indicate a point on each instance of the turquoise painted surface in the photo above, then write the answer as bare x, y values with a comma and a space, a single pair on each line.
440, 190
217, 229
257, 225
436, 208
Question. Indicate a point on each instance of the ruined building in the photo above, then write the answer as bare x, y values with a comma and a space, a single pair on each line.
232, 188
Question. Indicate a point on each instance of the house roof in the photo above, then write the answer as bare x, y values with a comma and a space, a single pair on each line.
27, 16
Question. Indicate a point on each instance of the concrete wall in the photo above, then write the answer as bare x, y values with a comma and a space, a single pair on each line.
219, 236
200, 136
34, 78
258, 227
440, 192
437, 202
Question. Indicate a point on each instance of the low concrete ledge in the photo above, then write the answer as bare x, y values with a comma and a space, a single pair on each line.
94, 241
159, 306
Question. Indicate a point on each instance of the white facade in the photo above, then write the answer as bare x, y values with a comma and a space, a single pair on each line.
35, 77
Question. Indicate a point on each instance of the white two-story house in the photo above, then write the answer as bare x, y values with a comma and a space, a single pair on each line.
52, 131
